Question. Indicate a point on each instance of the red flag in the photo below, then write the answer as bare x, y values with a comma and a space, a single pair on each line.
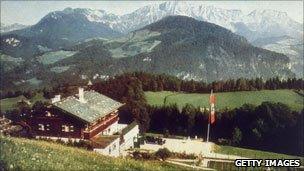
212, 114
212, 110
212, 99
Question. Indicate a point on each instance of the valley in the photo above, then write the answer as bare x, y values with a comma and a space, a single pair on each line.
115, 44
176, 45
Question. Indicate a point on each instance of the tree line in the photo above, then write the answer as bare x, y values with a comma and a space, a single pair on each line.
164, 82
160, 82
269, 126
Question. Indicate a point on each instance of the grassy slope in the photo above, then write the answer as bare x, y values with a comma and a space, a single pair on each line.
11, 103
24, 154
252, 153
53, 57
227, 99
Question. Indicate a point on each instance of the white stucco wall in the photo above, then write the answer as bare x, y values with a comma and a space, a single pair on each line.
121, 126
116, 149
112, 129
129, 138
112, 149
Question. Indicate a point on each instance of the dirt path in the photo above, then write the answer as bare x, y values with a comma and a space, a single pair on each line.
165, 99
190, 146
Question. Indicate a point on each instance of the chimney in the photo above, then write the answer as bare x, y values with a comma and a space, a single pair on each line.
81, 95
57, 98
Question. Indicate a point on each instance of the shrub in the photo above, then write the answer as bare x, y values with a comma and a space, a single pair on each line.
136, 155
148, 156
223, 141
163, 153
183, 155
143, 155
236, 136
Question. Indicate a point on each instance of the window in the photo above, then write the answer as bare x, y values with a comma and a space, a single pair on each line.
47, 127
40, 127
67, 128
71, 128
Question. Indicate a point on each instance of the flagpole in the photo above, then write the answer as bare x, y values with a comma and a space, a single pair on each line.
209, 117
208, 130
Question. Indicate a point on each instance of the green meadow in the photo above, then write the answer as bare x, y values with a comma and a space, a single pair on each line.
11, 103
226, 100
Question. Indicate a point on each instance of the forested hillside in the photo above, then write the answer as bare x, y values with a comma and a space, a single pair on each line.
176, 45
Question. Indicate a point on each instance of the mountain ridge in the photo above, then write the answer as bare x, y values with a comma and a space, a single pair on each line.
11, 27
177, 45
255, 20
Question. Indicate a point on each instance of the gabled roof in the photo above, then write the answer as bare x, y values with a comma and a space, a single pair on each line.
95, 107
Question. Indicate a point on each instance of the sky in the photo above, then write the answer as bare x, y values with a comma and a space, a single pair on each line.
30, 12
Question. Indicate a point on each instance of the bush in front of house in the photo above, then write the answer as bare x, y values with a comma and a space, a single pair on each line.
143, 155
183, 155
163, 153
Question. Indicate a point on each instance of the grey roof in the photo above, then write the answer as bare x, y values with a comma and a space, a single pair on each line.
95, 107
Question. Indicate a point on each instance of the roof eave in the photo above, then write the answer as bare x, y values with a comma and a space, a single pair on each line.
122, 104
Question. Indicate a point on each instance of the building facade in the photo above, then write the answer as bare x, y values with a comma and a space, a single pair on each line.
87, 115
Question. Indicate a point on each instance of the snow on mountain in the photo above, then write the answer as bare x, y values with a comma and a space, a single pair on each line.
152, 13
15, 26
95, 16
266, 23
272, 23
283, 46
291, 47
256, 24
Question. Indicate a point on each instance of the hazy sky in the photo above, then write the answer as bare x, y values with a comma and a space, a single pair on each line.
30, 12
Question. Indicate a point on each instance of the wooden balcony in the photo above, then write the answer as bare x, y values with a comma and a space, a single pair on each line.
99, 127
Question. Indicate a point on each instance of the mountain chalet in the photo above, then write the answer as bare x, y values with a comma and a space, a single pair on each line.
90, 116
